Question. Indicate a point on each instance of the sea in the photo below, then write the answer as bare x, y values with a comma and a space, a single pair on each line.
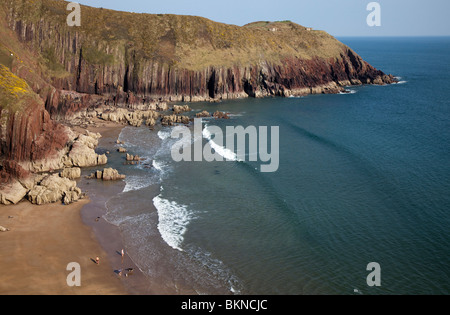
363, 177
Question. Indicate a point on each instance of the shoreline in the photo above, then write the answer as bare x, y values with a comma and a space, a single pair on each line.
44, 239
108, 235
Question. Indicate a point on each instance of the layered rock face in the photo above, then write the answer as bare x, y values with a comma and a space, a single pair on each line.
52, 72
27, 132
123, 58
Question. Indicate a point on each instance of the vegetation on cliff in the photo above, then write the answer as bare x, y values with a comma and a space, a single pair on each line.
178, 57
14, 91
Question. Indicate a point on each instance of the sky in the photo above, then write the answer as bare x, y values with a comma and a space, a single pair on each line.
337, 17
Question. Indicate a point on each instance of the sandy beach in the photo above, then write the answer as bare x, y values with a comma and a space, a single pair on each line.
43, 240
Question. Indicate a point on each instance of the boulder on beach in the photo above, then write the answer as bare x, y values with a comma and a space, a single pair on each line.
122, 150
53, 188
108, 174
12, 193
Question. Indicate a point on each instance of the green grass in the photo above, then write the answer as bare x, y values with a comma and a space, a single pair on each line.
184, 42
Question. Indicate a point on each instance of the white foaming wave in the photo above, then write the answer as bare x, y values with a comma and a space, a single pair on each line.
164, 134
348, 92
400, 81
222, 151
133, 183
162, 168
173, 220
158, 165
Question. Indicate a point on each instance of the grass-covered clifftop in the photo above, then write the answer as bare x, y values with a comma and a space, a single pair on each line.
188, 42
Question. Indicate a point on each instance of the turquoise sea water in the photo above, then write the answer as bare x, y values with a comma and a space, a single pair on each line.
363, 177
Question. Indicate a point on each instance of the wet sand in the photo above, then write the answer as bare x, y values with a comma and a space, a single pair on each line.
109, 236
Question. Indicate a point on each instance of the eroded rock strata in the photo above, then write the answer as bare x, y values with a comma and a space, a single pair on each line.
125, 67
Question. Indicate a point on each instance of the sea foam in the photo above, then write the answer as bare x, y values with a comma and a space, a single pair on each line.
222, 151
133, 183
348, 92
173, 221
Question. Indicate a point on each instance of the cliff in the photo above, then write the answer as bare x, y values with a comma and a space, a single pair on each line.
129, 58
27, 132
50, 71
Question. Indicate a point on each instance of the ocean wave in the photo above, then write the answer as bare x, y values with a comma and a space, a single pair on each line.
158, 165
162, 167
348, 92
164, 134
222, 151
400, 81
173, 221
133, 183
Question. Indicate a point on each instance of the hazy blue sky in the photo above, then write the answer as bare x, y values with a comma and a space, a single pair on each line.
337, 17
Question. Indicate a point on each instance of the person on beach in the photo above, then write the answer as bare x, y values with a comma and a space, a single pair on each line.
97, 260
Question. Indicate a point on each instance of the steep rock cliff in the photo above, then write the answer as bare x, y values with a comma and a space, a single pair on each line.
51, 71
127, 58
27, 132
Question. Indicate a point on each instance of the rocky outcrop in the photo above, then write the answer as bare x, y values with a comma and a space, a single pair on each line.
171, 120
53, 188
131, 157
12, 192
179, 109
108, 174
42, 189
132, 117
27, 132
203, 114
220, 115
71, 173
82, 152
